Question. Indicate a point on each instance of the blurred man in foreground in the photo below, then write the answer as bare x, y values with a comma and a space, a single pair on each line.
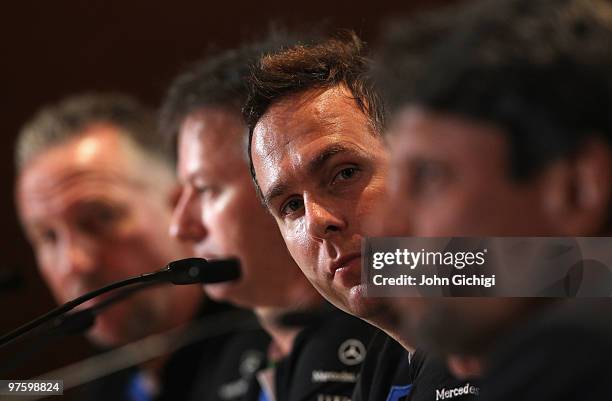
95, 192
219, 214
320, 163
507, 132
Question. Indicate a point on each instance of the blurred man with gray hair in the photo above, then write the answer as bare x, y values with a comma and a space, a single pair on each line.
95, 193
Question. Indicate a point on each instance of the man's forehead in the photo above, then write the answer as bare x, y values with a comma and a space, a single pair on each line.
416, 130
98, 147
212, 126
75, 170
316, 115
39, 208
318, 103
210, 137
303, 156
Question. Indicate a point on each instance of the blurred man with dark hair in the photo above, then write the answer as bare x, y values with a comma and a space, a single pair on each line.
507, 131
319, 162
95, 193
219, 213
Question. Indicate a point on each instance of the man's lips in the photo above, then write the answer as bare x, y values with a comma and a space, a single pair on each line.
343, 261
347, 269
204, 252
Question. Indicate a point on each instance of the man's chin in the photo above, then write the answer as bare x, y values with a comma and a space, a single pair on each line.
104, 337
224, 292
362, 306
121, 325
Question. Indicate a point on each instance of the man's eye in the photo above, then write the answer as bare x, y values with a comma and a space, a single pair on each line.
205, 190
47, 236
429, 176
99, 219
106, 215
429, 171
346, 173
291, 206
201, 189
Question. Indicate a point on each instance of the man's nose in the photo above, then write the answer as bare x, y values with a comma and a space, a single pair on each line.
186, 224
322, 220
390, 218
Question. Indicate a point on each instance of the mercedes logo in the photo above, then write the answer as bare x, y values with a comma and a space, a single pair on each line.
351, 352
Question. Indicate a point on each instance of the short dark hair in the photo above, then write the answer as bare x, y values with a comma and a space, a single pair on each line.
340, 60
540, 70
67, 119
217, 81
406, 48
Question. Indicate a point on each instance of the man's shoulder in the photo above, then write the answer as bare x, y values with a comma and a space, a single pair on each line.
392, 373
565, 353
114, 386
227, 377
385, 373
433, 380
219, 365
325, 359
340, 340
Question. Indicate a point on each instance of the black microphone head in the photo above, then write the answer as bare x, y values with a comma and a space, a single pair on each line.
198, 270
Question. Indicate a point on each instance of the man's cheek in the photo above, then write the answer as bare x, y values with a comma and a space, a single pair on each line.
51, 275
293, 233
297, 244
134, 256
59, 287
296, 251
435, 217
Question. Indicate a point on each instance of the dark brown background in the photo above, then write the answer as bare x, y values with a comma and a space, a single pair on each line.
50, 49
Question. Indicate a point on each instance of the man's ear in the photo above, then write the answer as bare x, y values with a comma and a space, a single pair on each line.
578, 190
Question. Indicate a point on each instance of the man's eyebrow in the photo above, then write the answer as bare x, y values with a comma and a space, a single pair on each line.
277, 189
318, 162
312, 167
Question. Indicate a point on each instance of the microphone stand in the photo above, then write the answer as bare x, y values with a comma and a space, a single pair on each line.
184, 271
71, 324
149, 348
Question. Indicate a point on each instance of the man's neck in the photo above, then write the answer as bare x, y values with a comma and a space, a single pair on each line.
282, 336
187, 313
271, 318
391, 324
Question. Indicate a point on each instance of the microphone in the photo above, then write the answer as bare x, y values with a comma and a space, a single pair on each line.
82, 320
180, 272
198, 270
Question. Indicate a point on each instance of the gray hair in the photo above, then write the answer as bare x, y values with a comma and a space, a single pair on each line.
58, 123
